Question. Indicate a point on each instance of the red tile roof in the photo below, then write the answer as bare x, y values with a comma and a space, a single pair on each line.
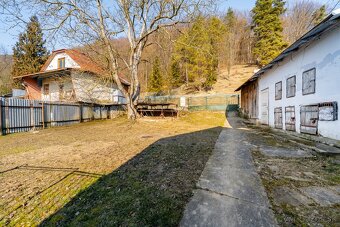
85, 63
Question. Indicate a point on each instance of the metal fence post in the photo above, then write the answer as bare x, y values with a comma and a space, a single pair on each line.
42, 115
32, 114
0, 116
80, 113
206, 102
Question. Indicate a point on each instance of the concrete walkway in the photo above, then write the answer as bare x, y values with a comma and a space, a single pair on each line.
229, 191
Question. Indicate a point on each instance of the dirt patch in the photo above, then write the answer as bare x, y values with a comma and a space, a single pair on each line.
40, 173
295, 184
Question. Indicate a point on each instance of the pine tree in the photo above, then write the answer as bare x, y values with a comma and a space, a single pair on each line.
29, 53
230, 22
156, 81
175, 73
319, 15
197, 51
268, 30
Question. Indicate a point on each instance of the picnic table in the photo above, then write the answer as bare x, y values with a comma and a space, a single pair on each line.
157, 109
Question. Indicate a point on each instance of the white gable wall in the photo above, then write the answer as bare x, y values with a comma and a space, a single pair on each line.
69, 62
322, 54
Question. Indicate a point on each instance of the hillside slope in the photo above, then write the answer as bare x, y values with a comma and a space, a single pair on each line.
238, 75
225, 84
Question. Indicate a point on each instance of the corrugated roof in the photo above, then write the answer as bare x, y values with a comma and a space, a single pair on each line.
328, 23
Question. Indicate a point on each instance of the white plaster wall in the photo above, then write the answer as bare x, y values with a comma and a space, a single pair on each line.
69, 62
89, 88
54, 88
324, 55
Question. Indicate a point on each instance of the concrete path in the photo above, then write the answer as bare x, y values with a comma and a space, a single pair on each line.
229, 191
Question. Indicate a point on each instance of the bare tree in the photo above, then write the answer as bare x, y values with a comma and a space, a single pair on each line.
5, 71
103, 21
300, 18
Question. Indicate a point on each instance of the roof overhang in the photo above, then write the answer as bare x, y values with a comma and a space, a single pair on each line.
327, 24
65, 71
60, 72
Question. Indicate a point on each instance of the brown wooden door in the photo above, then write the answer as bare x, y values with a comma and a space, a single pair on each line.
309, 117
290, 118
278, 117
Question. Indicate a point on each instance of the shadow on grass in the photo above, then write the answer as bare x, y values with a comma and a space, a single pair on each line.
151, 189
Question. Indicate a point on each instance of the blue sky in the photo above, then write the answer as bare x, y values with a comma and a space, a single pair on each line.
8, 37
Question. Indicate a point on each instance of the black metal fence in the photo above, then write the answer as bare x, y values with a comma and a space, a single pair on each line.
20, 115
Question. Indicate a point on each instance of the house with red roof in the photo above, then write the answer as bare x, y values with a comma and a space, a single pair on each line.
70, 75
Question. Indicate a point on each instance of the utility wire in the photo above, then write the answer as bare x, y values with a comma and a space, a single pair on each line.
336, 5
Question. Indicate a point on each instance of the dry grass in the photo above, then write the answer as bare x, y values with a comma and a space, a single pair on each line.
108, 172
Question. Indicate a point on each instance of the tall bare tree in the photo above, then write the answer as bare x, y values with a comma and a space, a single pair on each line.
103, 21
301, 16
5, 71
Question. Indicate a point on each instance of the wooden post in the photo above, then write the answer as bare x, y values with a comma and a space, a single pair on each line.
0, 116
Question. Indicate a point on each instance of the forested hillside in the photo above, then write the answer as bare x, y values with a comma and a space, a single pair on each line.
213, 53
199, 57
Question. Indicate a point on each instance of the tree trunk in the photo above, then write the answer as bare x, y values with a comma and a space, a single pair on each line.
131, 110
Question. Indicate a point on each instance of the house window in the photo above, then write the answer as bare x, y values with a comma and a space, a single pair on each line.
278, 90
308, 82
46, 89
291, 86
61, 63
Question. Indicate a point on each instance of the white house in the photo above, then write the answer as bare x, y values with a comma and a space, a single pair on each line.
300, 89
69, 75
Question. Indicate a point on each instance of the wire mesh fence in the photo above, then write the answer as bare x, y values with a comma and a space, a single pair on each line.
218, 102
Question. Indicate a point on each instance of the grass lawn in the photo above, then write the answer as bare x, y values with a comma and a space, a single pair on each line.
108, 173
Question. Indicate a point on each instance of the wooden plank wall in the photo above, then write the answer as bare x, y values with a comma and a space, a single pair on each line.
249, 100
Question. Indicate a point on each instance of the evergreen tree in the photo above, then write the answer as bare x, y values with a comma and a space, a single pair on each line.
175, 74
319, 15
197, 51
268, 30
230, 22
156, 81
29, 53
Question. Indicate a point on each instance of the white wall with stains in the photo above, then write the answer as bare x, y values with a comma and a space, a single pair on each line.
89, 88
322, 54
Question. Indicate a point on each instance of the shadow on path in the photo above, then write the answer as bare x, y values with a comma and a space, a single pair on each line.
151, 189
